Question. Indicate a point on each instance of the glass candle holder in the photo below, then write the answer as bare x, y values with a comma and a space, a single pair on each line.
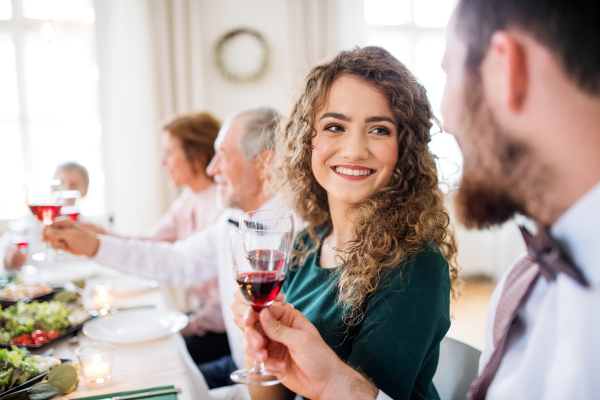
102, 299
96, 360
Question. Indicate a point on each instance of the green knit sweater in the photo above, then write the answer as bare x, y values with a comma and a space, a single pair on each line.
397, 344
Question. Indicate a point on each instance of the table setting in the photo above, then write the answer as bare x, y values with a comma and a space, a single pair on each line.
129, 344
95, 333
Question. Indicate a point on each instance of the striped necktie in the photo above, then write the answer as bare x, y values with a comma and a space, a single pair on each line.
544, 258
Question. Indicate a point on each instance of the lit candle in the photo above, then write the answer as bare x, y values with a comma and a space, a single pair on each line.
96, 369
96, 361
102, 299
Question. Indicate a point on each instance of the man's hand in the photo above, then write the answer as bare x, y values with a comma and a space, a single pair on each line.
13, 258
94, 229
295, 346
241, 307
67, 235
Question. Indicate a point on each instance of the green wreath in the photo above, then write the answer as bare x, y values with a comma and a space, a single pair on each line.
232, 76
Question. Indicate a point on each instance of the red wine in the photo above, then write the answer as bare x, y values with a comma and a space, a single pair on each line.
21, 242
45, 213
260, 287
70, 211
266, 260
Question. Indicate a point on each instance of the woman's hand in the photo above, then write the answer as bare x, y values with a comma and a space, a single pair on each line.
13, 258
240, 307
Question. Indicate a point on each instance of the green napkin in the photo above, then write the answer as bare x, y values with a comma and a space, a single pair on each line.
171, 396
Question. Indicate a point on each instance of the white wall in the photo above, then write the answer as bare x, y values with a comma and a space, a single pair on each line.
269, 17
300, 33
134, 180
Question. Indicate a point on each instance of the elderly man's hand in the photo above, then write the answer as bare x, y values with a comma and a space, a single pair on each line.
296, 347
94, 229
68, 235
13, 258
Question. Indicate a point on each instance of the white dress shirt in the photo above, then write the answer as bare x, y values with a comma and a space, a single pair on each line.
557, 354
195, 259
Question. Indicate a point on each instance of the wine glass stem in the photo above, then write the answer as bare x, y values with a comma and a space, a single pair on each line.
258, 368
48, 255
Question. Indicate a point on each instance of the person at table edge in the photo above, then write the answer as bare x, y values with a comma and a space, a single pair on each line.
188, 146
243, 151
522, 98
73, 176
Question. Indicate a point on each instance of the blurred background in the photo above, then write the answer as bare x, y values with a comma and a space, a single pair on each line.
93, 81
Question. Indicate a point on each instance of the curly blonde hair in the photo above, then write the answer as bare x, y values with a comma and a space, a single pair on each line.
397, 222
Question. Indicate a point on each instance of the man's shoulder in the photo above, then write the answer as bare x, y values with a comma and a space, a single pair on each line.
224, 224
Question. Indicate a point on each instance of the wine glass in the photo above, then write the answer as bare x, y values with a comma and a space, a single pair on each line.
45, 199
19, 231
70, 208
261, 251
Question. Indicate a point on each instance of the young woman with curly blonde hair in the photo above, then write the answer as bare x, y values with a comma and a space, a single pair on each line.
374, 269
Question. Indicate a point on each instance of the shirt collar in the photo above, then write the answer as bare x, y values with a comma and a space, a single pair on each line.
271, 204
578, 230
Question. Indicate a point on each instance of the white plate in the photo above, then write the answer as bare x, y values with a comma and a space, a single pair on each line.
127, 285
59, 272
135, 326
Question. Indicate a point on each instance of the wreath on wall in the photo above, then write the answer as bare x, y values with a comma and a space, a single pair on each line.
230, 73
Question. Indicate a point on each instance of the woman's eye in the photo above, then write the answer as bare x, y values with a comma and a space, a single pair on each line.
334, 128
380, 131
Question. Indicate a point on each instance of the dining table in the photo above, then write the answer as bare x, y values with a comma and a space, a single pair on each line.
146, 364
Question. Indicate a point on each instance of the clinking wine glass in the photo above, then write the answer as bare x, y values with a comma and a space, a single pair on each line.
19, 231
261, 252
45, 200
70, 207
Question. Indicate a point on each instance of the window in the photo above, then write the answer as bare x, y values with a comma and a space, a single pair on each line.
48, 97
414, 32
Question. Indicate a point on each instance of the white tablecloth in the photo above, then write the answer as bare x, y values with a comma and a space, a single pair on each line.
160, 362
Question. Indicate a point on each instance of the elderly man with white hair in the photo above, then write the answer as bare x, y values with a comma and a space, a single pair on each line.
240, 167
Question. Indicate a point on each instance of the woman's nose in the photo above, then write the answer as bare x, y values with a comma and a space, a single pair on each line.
355, 147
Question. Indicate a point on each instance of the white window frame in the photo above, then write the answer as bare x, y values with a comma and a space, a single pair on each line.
415, 33
16, 28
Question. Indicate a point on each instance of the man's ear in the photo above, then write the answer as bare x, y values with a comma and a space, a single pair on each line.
265, 159
504, 72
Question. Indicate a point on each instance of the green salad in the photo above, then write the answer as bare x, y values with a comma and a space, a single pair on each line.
15, 369
25, 318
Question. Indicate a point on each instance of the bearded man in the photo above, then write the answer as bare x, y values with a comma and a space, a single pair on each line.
522, 98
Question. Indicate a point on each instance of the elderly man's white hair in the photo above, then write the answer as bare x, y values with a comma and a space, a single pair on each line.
260, 128
74, 166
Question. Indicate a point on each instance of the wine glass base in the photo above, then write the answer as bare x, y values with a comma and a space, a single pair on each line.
47, 256
247, 376
42, 257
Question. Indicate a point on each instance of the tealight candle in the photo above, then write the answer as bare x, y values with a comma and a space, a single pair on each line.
102, 299
96, 361
97, 369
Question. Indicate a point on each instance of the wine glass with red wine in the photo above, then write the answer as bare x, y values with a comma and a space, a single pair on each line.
70, 208
261, 253
45, 200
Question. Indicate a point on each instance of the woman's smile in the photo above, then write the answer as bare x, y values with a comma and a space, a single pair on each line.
353, 172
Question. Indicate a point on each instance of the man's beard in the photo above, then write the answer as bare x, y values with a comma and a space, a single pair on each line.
495, 169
